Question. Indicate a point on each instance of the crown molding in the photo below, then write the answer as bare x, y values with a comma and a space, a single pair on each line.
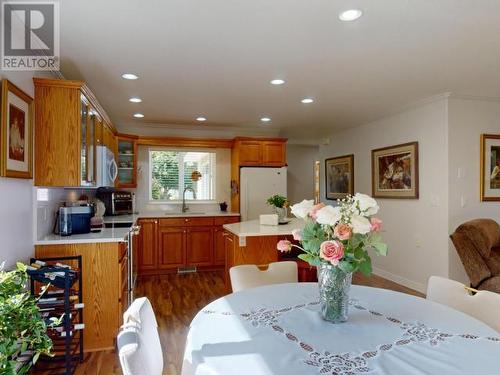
475, 97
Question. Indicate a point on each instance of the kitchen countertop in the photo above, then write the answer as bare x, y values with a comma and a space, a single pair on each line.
119, 234
105, 235
253, 228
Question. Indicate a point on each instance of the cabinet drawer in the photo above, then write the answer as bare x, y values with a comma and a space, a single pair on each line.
187, 221
226, 220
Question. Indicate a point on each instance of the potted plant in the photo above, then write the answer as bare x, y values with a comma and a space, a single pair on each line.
23, 331
280, 204
336, 240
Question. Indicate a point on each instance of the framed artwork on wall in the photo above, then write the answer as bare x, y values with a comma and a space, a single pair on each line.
339, 177
490, 167
316, 174
395, 171
16, 141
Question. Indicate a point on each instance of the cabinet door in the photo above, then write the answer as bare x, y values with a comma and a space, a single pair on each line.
98, 132
219, 250
250, 153
172, 247
148, 245
127, 163
84, 125
199, 246
91, 150
274, 154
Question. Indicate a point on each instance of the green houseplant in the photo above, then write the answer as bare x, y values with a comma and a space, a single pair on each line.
280, 204
22, 328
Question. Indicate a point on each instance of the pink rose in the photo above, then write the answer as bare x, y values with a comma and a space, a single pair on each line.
332, 251
315, 209
297, 234
342, 232
376, 224
284, 246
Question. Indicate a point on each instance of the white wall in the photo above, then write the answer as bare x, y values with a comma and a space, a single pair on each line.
468, 119
415, 230
16, 199
222, 187
300, 173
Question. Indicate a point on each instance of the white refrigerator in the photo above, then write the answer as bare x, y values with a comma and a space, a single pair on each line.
256, 186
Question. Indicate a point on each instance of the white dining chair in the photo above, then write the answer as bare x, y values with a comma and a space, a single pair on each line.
250, 276
138, 342
483, 305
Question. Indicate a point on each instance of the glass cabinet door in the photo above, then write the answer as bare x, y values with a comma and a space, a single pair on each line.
91, 132
127, 160
84, 114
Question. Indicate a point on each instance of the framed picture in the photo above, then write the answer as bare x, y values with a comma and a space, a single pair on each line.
316, 174
16, 140
339, 173
395, 171
490, 167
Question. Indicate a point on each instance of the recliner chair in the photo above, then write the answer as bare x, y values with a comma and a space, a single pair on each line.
478, 245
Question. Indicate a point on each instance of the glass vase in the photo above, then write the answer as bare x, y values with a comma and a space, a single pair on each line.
282, 213
334, 285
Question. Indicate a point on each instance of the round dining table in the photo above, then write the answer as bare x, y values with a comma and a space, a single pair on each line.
278, 329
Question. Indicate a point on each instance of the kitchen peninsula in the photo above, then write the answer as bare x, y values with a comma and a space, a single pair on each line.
248, 242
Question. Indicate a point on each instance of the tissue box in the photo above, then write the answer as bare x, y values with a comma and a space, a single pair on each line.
269, 219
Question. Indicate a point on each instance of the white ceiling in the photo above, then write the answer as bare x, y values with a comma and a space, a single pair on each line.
216, 57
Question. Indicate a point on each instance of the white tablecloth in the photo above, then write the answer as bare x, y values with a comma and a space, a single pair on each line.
278, 330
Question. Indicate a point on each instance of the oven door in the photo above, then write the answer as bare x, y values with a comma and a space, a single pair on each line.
122, 206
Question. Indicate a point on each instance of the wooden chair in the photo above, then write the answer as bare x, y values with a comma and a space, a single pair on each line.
483, 305
138, 342
250, 276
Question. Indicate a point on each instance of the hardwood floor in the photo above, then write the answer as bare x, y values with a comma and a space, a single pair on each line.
176, 299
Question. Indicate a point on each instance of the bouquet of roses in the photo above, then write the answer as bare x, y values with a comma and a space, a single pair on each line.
341, 235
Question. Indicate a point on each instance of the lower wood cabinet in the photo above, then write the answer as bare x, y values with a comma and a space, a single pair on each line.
104, 288
166, 244
199, 249
172, 247
147, 245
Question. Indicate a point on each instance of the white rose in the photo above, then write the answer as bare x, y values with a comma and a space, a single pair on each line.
367, 205
360, 224
301, 210
328, 215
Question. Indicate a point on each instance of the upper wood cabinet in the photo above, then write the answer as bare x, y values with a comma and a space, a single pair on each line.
69, 123
254, 152
260, 153
127, 162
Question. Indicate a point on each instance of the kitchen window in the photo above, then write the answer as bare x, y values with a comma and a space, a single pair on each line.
171, 171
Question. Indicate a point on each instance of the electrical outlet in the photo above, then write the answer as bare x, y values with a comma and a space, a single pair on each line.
242, 241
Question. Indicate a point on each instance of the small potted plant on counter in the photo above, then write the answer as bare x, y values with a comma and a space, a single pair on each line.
280, 204
23, 331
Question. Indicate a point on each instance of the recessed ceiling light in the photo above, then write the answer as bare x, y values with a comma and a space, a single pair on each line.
307, 100
201, 119
350, 15
129, 76
277, 82
265, 119
138, 115
135, 100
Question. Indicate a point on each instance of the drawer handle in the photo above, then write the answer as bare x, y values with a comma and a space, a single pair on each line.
186, 220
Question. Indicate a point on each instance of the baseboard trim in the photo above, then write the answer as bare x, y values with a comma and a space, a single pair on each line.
419, 287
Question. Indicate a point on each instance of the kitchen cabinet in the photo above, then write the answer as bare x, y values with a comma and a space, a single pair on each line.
127, 162
219, 239
104, 288
172, 247
166, 244
254, 152
68, 123
147, 245
199, 246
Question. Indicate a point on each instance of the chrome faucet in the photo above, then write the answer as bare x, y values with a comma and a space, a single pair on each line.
185, 208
